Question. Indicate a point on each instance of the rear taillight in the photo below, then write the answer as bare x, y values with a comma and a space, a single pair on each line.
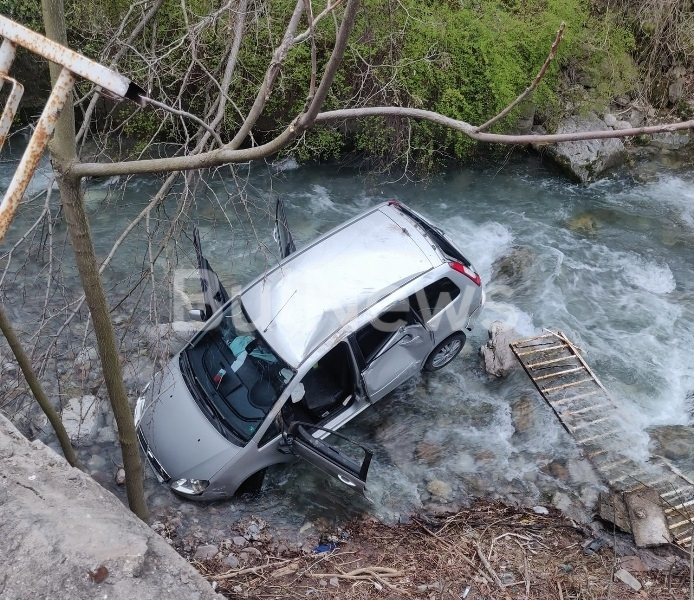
467, 271
393, 203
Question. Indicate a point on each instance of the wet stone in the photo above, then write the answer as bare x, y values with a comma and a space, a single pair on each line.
522, 413
439, 488
231, 561
206, 551
558, 470
253, 532
427, 452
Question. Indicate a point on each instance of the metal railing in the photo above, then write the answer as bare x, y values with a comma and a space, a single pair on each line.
73, 65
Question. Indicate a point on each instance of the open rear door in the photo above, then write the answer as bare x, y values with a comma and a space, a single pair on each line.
282, 235
213, 291
327, 458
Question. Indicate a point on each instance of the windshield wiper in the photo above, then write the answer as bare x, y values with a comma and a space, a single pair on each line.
200, 397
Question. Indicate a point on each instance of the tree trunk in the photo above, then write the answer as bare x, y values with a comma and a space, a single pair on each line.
37, 390
63, 153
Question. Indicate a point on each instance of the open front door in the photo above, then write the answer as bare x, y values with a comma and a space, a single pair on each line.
327, 458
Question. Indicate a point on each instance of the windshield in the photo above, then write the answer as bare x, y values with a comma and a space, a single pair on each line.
234, 375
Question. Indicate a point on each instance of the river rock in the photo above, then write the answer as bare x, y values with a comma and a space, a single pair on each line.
671, 140
120, 476
512, 267
427, 452
497, 355
522, 414
439, 488
171, 337
79, 416
86, 356
60, 528
586, 160
231, 562
583, 223
674, 442
206, 552
626, 577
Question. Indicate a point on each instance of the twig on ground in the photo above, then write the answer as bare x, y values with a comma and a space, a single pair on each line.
488, 566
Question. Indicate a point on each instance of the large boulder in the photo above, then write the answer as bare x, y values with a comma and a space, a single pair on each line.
498, 357
586, 160
513, 267
64, 536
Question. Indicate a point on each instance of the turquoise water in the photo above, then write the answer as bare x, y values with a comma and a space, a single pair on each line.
611, 266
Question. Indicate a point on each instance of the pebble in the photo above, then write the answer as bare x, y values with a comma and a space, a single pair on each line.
120, 477
439, 488
253, 532
540, 510
626, 577
239, 540
231, 561
205, 552
334, 582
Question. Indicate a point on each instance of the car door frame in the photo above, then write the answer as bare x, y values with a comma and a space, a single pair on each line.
395, 338
299, 441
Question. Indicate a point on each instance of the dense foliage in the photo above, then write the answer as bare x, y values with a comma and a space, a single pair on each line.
464, 58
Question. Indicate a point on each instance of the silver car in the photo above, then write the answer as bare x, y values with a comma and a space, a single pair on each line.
304, 349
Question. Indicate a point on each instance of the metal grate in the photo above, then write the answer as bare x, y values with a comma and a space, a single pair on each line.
586, 410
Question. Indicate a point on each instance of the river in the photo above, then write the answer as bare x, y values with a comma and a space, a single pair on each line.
609, 264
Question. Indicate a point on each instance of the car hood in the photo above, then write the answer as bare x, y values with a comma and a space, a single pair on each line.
178, 433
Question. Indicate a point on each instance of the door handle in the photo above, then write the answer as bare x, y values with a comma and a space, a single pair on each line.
346, 481
408, 339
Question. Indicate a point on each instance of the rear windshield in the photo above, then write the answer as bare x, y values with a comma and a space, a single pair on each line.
435, 234
234, 376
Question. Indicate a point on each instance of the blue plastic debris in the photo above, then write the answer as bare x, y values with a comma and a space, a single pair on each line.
325, 548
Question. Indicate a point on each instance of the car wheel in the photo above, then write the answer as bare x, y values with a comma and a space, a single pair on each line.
445, 352
253, 484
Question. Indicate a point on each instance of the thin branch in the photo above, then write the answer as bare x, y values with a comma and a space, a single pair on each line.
532, 86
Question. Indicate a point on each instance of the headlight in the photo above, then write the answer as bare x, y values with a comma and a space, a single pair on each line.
190, 487
140, 404
139, 409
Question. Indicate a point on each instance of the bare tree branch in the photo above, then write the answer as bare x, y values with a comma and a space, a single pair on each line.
231, 153
532, 86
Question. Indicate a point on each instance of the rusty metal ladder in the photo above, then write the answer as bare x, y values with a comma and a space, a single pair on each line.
587, 411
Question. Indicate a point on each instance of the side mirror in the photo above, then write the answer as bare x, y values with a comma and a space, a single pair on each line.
197, 314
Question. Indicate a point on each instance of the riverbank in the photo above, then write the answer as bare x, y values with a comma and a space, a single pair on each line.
490, 550
69, 538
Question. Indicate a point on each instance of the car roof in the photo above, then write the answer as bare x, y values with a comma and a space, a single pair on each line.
315, 292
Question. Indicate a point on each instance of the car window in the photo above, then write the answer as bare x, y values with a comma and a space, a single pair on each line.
372, 337
434, 298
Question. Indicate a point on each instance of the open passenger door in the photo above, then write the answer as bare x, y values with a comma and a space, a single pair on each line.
299, 441
281, 233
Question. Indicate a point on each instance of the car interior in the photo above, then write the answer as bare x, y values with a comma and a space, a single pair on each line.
328, 388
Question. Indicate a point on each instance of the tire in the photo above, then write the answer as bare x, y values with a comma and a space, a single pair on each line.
253, 484
445, 352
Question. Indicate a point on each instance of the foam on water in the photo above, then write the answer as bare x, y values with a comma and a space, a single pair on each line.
623, 292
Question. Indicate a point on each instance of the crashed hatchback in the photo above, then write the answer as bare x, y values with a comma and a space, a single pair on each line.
304, 349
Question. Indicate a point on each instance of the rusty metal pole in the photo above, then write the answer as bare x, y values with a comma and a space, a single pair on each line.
34, 151
73, 64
